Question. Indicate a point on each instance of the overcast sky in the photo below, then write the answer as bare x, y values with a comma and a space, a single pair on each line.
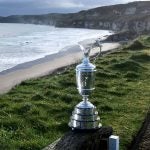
13, 7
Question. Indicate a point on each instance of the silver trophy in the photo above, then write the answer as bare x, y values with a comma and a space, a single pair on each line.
85, 116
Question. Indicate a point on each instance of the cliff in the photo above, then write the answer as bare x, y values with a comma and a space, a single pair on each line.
133, 17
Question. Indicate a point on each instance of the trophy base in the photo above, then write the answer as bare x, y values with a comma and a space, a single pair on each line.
85, 117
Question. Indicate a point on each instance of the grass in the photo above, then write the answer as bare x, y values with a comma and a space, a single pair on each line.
36, 112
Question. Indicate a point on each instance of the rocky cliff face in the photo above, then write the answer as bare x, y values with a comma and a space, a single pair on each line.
49, 19
133, 16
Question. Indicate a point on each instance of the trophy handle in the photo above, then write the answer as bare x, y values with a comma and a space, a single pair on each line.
99, 44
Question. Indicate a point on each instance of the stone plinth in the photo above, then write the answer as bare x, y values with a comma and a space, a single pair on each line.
83, 140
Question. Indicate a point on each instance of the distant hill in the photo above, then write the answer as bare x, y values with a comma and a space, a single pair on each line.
133, 16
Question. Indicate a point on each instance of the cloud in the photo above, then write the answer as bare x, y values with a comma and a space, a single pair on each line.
10, 7
62, 4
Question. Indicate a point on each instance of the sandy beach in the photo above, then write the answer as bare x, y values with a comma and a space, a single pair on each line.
45, 66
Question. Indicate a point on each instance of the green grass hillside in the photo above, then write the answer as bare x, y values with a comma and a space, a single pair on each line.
36, 112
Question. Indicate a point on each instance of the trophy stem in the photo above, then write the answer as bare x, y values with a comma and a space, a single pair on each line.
85, 99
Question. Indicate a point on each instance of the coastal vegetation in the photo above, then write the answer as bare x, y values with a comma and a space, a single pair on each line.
36, 112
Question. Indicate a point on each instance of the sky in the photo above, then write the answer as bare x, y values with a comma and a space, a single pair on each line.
20, 7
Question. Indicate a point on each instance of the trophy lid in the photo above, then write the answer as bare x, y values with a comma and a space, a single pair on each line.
86, 66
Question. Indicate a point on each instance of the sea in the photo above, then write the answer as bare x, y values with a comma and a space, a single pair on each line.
20, 43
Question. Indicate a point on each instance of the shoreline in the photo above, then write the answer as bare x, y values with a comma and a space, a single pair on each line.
47, 65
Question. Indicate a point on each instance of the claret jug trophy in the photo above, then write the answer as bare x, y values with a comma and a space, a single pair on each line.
85, 115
